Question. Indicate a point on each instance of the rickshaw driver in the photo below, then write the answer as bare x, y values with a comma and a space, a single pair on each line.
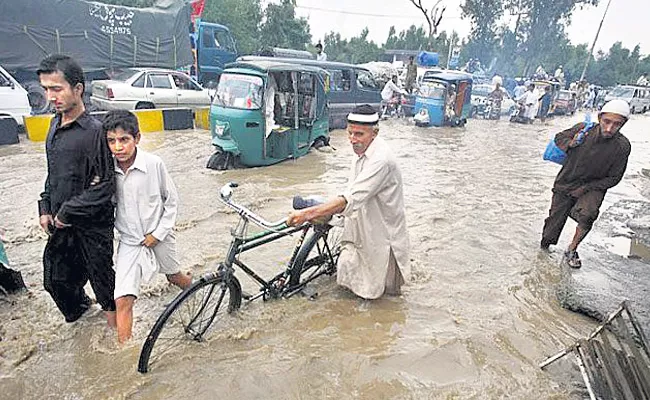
450, 103
374, 258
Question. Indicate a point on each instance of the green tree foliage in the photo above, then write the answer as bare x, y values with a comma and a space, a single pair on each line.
483, 37
281, 28
357, 50
413, 38
243, 17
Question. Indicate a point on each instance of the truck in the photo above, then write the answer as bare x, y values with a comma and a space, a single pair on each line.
105, 38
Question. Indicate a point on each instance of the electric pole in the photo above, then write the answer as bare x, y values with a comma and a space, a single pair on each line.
593, 45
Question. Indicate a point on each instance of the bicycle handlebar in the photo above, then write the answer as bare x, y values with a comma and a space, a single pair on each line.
226, 195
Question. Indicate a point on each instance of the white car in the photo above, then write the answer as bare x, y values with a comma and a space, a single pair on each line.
13, 98
142, 88
479, 98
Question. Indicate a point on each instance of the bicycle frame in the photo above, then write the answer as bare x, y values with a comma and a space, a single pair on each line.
240, 244
274, 287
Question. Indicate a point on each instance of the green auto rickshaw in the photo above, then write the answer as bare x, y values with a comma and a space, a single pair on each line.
265, 112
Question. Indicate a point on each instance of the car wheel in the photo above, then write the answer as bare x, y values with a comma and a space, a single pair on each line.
144, 106
633, 110
36, 96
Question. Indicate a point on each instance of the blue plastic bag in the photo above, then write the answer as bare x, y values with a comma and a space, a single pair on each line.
557, 155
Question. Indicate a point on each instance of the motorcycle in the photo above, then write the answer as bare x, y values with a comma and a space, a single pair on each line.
393, 107
491, 109
518, 115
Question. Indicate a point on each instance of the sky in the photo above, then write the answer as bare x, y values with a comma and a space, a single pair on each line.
626, 21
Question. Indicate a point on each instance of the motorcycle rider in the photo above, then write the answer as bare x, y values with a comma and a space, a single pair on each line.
530, 101
497, 98
390, 95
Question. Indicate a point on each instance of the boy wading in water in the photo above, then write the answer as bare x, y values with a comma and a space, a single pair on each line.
146, 213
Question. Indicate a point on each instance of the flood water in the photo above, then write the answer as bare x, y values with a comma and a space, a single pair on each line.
477, 317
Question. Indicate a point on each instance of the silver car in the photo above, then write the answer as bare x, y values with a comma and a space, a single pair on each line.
142, 88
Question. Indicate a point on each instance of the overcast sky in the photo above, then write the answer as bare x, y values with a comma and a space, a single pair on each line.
627, 20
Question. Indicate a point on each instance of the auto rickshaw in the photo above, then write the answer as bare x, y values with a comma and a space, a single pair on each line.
566, 102
265, 112
444, 99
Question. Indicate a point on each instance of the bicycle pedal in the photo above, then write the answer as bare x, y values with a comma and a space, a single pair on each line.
309, 292
245, 295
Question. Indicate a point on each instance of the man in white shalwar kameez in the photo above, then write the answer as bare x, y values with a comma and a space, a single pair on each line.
375, 246
531, 101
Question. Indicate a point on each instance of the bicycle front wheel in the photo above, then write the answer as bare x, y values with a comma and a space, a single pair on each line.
317, 256
190, 317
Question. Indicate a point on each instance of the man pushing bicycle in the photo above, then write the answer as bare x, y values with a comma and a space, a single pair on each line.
375, 247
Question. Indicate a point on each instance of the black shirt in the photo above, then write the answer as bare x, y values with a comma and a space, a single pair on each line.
80, 180
598, 163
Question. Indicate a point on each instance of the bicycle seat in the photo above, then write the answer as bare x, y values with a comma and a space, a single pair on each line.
300, 202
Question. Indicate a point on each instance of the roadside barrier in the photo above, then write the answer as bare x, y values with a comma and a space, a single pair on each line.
8, 130
202, 118
154, 120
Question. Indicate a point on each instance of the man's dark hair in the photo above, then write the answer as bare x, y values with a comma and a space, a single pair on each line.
319, 46
71, 70
121, 119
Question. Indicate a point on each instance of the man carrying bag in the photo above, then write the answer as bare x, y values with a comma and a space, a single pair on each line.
595, 161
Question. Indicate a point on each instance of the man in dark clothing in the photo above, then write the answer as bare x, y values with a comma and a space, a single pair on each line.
545, 104
595, 162
76, 208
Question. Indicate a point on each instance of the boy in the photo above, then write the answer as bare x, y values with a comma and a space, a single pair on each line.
145, 216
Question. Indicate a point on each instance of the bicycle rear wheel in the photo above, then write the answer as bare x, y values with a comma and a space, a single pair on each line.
190, 316
317, 256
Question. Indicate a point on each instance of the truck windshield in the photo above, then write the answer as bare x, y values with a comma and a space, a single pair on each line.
239, 91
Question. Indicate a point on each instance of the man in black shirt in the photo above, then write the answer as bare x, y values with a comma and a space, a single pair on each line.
596, 161
76, 207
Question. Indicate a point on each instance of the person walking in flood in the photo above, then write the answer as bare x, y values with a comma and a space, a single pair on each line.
594, 163
147, 204
375, 247
76, 207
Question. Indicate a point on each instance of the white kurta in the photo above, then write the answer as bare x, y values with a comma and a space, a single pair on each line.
375, 223
531, 100
147, 203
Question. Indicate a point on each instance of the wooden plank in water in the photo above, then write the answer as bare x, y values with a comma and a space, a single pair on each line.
615, 366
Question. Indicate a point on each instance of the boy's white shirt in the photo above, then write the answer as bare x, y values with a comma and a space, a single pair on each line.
147, 203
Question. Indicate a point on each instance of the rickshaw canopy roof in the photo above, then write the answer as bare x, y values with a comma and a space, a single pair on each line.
263, 67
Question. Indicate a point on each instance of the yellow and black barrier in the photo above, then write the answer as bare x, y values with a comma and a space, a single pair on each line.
155, 120
202, 118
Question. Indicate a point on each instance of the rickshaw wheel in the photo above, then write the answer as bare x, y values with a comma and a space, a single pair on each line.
221, 161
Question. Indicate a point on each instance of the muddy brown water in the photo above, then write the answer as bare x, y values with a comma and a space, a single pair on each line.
477, 317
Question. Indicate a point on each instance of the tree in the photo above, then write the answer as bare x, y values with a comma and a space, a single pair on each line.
433, 16
414, 38
542, 26
281, 28
242, 17
483, 38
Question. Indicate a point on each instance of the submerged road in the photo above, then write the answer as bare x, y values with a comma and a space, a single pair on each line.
477, 317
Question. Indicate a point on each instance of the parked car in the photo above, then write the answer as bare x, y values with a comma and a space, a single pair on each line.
638, 97
479, 99
13, 98
142, 88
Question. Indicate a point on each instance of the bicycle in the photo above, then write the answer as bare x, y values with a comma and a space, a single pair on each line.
193, 312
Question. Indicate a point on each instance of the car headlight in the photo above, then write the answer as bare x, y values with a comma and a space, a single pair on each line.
219, 129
